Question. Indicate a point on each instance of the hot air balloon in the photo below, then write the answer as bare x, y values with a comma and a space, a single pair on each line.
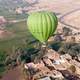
42, 25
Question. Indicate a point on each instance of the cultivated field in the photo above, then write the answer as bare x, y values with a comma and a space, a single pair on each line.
17, 38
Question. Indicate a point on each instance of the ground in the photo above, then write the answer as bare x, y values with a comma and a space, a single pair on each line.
66, 10
12, 74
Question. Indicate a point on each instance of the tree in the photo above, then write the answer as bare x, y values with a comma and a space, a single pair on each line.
57, 38
72, 49
2, 62
66, 31
2, 58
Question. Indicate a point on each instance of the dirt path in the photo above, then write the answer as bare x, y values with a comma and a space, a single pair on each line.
12, 75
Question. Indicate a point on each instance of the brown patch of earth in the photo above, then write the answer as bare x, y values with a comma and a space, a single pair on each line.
5, 33
73, 19
13, 74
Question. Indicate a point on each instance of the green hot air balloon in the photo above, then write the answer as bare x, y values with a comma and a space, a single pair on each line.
42, 25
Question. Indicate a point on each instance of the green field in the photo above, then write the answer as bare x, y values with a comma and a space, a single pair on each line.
20, 37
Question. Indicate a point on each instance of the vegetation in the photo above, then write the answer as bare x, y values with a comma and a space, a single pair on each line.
19, 56
2, 58
19, 37
66, 31
71, 48
2, 62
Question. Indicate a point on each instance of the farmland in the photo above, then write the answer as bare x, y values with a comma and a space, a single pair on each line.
18, 38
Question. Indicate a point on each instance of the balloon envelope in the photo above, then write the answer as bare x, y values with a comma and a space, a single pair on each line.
42, 25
